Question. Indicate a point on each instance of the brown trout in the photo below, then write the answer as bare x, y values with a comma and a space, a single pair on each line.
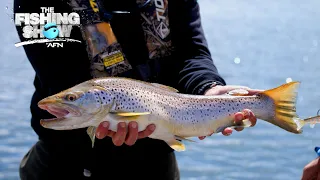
177, 116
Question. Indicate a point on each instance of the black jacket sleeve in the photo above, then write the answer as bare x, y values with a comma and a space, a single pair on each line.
195, 62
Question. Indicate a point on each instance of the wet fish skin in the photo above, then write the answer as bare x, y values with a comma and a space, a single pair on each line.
175, 115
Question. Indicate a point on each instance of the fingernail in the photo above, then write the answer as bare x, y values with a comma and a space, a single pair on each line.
152, 127
123, 125
133, 125
105, 124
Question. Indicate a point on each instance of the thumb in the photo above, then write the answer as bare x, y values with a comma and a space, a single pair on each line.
254, 91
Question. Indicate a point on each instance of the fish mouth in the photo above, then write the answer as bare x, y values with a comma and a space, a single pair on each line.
59, 110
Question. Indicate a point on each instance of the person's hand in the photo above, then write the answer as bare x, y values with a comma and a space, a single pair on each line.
239, 116
122, 136
312, 170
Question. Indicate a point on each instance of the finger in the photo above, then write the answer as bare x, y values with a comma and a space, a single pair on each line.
219, 90
254, 91
132, 135
111, 133
249, 115
238, 117
147, 132
227, 131
119, 137
102, 130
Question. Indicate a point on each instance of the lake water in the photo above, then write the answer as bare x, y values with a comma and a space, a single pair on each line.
255, 43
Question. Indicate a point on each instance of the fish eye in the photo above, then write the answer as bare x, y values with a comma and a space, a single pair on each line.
71, 97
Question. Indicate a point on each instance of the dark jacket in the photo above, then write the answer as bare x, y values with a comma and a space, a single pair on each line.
188, 69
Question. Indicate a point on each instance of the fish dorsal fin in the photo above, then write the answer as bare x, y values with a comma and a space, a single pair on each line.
91, 131
165, 87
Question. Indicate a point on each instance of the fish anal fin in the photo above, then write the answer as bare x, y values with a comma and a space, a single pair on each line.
165, 87
176, 145
183, 138
91, 131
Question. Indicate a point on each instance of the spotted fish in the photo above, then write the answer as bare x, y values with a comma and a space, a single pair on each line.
177, 116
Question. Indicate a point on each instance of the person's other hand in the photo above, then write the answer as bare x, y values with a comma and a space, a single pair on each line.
239, 116
312, 170
122, 136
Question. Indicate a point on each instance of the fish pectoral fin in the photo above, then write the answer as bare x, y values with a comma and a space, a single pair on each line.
183, 139
128, 114
176, 145
165, 87
238, 92
91, 131
116, 116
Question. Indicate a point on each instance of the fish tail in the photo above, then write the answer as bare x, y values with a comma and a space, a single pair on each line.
284, 101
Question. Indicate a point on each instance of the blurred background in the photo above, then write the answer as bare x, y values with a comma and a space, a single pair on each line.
255, 43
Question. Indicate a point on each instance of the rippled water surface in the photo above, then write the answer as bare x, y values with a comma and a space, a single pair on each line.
260, 44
